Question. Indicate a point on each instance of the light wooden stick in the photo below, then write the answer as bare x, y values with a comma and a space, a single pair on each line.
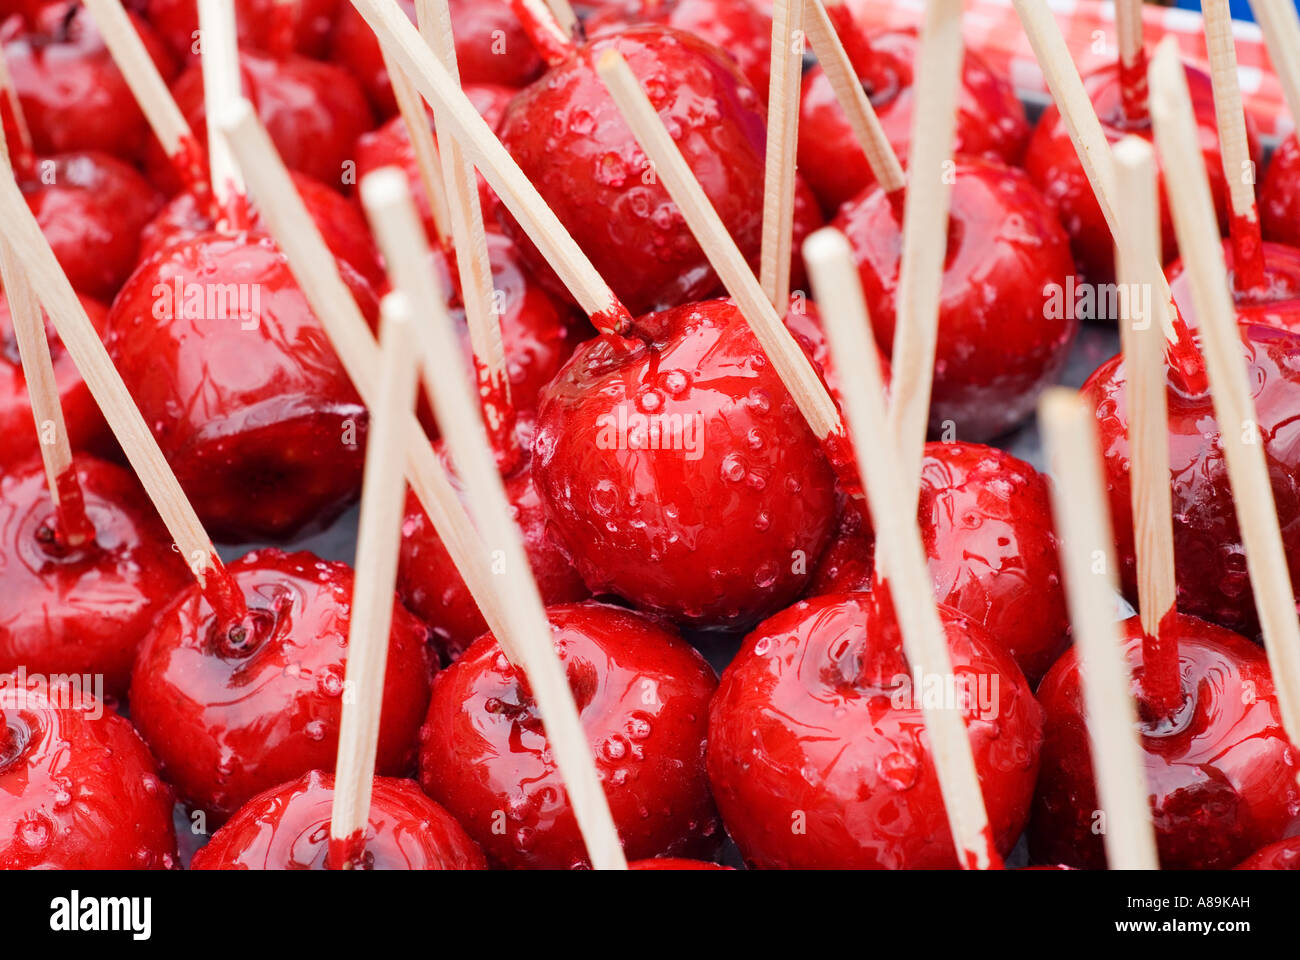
787, 357
317, 273
1280, 23
141, 74
472, 258
901, 555
925, 235
1128, 30
1081, 515
1234, 147
378, 540
563, 13
782, 140
1081, 122
82, 342
428, 160
853, 100
1135, 254
10, 93
458, 118
221, 87
1198, 239
387, 201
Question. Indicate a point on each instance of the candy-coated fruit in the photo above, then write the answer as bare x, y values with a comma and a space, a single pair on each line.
1283, 855
1276, 304
1279, 201
258, 23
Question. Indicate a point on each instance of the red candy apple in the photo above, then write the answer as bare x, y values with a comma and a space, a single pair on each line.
85, 425
71, 92
1220, 771
491, 47
1283, 855
677, 472
986, 524
313, 111
817, 749
569, 138
1002, 336
642, 694
990, 120
84, 609
1275, 304
1213, 582
234, 374
233, 712
271, 25
288, 828
1054, 166
1279, 202
78, 789
91, 208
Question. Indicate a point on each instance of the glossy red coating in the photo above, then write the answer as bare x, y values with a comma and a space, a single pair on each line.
1275, 304
990, 120
1283, 855
1003, 335
240, 385
177, 21
986, 524
642, 695
1279, 199
567, 135
288, 828
1213, 582
81, 610
736, 27
817, 752
722, 523
91, 208
674, 863
85, 424
432, 588
78, 788
491, 47
339, 219
1053, 165
1221, 772
230, 715
72, 94
313, 111
390, 145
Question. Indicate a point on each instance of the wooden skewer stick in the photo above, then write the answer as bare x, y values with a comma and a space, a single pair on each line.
787, 357
379, 537
554, 42
1132, 60
147, 85
563, 13
1280, 22
1081, 122
45, 276
925, 234
853, 100
317, 273
1144, 362
782, 142
1081, 514
1234, 408
458, 118
428, 160
900, 553
388, 202
221, 87
1238, 167
472, 258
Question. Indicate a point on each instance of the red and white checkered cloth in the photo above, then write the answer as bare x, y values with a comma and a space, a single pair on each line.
992, 28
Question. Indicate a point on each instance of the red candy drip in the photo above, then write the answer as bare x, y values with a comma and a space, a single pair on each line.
348, 853
1186, 365
74, 526
553, 46
191, 162
224, 595
1134, 92
1161, 679
1249, 275
498, 417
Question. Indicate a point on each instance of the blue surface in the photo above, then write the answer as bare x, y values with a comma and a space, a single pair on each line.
1240, 8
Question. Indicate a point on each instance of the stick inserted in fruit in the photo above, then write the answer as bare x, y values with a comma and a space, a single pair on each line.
782, 140
1132, 61
221, 87
899, 549
530, 645
1079, 506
